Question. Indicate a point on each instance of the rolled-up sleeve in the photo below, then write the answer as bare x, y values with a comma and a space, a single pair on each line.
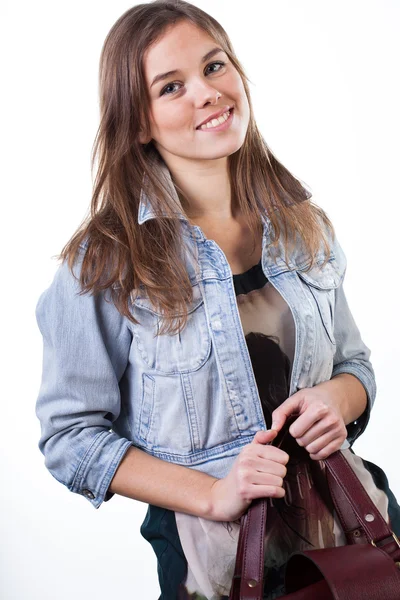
352, 355
86, 345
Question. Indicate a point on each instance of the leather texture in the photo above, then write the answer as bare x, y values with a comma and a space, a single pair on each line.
367, 567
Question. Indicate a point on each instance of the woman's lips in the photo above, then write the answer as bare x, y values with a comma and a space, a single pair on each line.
225, 125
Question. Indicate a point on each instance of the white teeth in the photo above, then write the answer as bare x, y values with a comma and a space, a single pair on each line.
215, 122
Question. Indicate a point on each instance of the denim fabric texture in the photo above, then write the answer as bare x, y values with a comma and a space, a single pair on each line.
189, 398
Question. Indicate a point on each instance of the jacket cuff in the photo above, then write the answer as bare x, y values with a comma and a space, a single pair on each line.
98, 467
363, 374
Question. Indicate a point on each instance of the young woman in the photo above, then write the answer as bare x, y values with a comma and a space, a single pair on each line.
201, 300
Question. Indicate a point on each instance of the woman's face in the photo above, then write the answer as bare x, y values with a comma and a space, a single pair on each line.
183, 100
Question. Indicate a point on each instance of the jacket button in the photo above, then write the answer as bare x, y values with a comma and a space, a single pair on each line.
88, 494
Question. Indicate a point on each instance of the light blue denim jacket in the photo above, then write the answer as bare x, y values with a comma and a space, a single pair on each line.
189, 398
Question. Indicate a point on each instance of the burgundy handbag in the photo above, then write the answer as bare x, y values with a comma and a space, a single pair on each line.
367, 567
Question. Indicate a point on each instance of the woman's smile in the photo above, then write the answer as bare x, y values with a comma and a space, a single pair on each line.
215, 124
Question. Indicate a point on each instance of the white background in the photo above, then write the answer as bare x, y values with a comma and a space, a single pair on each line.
325, 88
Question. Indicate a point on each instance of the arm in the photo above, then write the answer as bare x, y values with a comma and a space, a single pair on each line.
86, 344
85, 352
352, 357
350, 395
149, 479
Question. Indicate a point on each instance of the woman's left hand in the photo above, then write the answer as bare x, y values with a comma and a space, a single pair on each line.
320, 427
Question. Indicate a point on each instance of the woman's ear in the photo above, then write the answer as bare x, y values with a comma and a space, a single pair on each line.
143, 139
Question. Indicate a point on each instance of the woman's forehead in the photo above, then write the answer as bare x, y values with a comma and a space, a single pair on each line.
180, 45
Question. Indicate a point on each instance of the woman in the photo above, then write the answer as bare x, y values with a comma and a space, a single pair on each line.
201, 299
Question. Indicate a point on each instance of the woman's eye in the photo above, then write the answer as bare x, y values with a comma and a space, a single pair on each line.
163, 91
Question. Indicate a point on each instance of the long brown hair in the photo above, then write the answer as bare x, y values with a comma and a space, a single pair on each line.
124, 256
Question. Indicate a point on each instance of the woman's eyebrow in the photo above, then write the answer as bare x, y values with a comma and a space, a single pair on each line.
206, 57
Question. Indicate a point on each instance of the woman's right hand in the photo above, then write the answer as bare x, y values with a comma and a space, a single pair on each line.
257, 472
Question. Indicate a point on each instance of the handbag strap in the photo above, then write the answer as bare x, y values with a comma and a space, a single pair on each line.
349, 490
248, 574
354, 507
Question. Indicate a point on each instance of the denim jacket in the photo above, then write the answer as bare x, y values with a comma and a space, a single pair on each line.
189, 398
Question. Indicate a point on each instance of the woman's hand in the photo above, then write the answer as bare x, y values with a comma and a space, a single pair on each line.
320, 427
257, 472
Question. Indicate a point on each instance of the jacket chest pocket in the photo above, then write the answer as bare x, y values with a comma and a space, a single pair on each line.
172, 353
321, 285
166, 423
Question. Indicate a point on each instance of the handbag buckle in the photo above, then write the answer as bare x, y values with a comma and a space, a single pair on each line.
396, 539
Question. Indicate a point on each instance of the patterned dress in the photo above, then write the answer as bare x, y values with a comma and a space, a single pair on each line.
196, 556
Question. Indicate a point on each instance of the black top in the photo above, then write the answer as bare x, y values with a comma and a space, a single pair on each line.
252, 279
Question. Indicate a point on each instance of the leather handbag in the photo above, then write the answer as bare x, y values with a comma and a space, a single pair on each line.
368, 566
